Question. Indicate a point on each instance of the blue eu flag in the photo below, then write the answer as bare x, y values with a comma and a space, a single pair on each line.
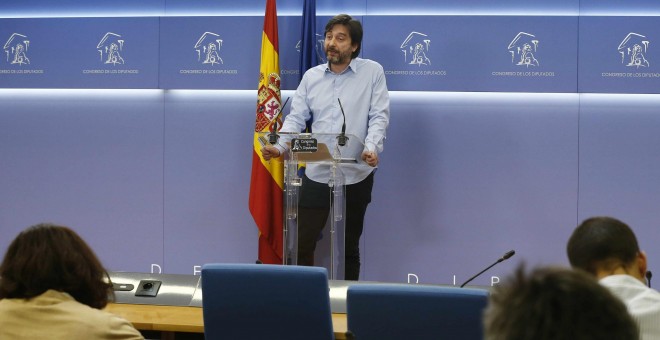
308, 52
308, 39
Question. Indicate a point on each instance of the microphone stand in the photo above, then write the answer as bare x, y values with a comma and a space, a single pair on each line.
342, 138
506, 256
481, 272
273, 137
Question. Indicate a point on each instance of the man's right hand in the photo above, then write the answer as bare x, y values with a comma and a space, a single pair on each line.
269, 152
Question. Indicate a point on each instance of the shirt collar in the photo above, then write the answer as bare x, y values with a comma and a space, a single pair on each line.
622, 278
352, 66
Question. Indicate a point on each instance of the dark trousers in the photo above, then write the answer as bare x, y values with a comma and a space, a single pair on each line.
313, 211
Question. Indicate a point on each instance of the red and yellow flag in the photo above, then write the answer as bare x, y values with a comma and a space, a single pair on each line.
266, 186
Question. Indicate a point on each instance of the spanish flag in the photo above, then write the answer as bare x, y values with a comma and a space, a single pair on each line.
267, 183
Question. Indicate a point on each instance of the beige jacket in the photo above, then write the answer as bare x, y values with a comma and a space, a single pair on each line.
57, 315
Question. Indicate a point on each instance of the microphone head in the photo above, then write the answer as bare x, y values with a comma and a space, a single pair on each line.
508, 254
649, 274
273, 137
342, 139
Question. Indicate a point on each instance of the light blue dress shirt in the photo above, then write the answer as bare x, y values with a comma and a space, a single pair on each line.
363, 93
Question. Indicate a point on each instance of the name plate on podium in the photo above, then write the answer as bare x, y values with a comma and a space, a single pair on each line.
304, 145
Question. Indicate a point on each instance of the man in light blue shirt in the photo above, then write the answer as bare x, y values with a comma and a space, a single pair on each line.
360, 86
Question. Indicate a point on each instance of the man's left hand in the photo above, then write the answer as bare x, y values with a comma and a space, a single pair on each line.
370, 157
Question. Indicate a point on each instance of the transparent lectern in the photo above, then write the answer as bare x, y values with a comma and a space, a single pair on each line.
333, 154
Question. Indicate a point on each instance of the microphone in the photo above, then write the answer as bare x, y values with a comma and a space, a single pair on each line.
504, 257
273, 136
342, 138
649, 275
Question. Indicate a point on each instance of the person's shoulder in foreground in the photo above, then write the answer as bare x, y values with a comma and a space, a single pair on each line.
54, 287
57, 315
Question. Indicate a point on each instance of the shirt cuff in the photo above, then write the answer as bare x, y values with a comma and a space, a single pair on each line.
369, 147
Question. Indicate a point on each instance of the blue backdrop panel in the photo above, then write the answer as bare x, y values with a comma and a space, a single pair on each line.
465, 177
468, 53
210, 52
460, 172
89, 159
472, 7
79, 8
79, 53
289, 40
619, 163
208, 160
258, 7
619, 54
620, 8
162, 177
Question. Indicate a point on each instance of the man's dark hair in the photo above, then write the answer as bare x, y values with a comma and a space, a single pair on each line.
602, 242
354, 30
556, 303
48, 256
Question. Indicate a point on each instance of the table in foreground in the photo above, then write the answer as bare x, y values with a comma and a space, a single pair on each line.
177, 319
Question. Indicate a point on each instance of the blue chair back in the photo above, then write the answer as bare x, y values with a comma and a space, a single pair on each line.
260, 301
408, 311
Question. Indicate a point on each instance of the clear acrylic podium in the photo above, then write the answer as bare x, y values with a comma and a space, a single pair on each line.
321, 150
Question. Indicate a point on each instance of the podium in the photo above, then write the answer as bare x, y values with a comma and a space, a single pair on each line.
331, 155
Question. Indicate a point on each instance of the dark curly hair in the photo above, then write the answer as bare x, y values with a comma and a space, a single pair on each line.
354, 30
48, 256
556, 303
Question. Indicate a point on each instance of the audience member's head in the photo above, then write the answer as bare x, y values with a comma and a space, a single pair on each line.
556, 303
605, 246
48, 256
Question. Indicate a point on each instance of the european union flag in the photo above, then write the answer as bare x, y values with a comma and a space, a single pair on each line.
308, 40
308, 53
